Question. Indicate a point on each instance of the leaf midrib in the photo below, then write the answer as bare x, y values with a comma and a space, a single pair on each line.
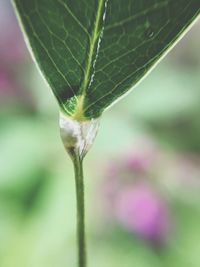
92, 40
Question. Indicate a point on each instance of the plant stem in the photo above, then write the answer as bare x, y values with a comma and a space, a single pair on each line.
77, 137
79, 180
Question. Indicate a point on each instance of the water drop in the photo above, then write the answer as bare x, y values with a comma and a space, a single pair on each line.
149, 33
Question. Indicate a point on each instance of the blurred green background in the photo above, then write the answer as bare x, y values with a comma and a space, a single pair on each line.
142, 175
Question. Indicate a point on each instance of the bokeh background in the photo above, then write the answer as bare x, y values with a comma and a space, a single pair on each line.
142, 175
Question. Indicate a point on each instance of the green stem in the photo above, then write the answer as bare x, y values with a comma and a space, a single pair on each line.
77, 137
79, 180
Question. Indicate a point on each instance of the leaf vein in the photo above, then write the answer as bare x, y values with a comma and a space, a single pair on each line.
73, 16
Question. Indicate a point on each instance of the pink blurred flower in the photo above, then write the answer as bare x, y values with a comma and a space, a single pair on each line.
7, 85
12, 59
12, 48
130, 189
143, 212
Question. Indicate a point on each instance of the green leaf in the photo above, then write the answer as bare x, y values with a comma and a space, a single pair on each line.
91, 52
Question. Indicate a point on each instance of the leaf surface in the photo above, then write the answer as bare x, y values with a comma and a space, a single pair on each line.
91, 52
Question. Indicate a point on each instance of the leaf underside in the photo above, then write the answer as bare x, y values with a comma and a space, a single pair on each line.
91, 52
